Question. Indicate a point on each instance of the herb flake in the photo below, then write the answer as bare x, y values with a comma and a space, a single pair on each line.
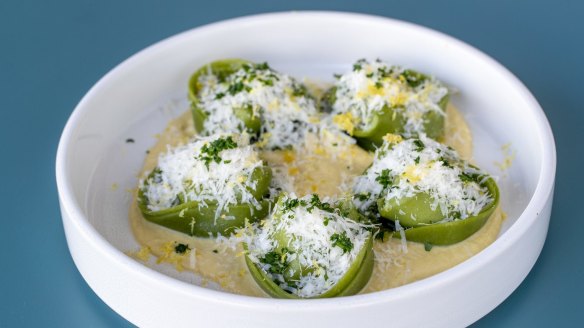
210, 152
465, 177
235, 88
274, 260
342, 241
428, 246
316, 203
181, 248
384, 179
419, 145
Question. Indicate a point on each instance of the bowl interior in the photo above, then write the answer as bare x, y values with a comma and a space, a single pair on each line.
139, 97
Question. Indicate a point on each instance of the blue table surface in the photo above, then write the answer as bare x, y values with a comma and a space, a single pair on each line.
52, 52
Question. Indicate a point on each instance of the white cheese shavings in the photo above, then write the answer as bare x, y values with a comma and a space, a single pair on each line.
402, 236
285, 110
182, 176
423, 165
371, 86
310, 234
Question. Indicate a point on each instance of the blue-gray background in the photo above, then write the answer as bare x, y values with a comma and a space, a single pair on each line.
52, 52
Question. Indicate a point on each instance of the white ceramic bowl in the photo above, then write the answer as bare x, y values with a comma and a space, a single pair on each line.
137, 98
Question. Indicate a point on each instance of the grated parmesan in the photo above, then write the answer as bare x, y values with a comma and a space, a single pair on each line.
309, 232
371, 86
183, 176
286, 111
422, 165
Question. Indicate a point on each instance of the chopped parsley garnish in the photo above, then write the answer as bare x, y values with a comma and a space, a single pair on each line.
219, 95
290, 204
413, 78
384, 72
378, 84
445, 162
262, 66
384, 179
337, 76
156, 175
428, 246
465, 177
342, 241
363, 196
251, 77
181, 248
419, 144
417, 160
315, 202
298, 91
359, 64
235, 88
262, 72
210, 152
274, 260
291, 284
369, 75
267, 82
215, 251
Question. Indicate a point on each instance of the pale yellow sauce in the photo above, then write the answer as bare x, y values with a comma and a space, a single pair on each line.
321, 170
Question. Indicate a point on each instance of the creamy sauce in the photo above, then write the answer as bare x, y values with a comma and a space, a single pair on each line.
319, 170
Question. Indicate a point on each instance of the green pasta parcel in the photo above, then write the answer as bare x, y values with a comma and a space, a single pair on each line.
234, 95
375, 99
207, 187
310, 248
426, 191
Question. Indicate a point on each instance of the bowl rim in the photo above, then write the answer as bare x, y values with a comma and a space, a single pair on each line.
541, 194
